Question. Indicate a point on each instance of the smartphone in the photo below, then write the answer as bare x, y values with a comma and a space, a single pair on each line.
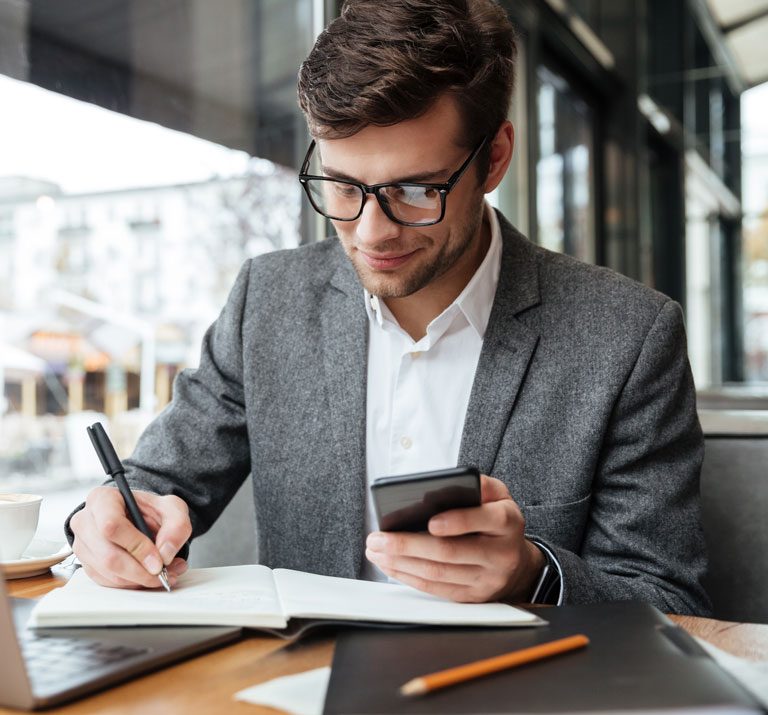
408, 501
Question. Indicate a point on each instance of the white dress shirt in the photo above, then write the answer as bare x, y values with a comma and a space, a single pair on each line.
418, 391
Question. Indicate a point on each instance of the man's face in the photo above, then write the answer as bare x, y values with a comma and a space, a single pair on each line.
391, 260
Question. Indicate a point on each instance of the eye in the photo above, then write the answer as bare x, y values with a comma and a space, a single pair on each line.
346, 191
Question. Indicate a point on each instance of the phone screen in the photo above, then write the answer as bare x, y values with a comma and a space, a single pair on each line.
407, 502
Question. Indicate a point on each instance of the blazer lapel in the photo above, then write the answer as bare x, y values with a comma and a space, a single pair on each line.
508, 347
344, 329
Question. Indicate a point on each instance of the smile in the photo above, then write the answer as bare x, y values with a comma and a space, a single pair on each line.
386, 261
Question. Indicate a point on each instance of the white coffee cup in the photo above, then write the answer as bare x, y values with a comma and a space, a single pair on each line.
18, 522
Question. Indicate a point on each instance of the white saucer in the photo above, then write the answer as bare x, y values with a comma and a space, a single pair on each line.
40, 555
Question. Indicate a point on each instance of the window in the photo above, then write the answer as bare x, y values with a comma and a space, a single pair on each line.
565, 195
755, 254
148, 149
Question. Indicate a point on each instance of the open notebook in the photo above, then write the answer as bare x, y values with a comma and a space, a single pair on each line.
255, 596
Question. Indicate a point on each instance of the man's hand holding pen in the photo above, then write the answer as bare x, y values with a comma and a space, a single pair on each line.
115, 553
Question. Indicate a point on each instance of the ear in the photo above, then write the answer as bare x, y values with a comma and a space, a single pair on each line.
501, 154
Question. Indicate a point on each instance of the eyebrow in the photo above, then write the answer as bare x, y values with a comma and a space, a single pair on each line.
421, 178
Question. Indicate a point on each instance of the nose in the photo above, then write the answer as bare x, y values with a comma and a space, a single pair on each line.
374, 226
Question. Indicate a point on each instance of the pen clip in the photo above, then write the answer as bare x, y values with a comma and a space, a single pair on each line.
104, 449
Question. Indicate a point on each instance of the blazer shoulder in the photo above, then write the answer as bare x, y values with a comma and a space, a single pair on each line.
304, 270
565, 279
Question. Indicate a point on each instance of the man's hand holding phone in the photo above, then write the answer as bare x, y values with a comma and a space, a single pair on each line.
472, 554
115, 553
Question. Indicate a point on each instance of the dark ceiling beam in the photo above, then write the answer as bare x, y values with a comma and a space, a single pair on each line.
744, 21
716, 41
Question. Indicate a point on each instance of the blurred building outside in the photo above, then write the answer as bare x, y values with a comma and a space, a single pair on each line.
105, 296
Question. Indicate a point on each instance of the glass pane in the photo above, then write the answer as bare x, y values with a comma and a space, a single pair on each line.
336, 199
565, 199
754, 108
413, 204
148, 148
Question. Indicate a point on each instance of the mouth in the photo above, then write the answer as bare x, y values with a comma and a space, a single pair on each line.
387, 261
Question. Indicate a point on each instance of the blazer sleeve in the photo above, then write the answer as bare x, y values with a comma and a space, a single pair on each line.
643, 539
197, 448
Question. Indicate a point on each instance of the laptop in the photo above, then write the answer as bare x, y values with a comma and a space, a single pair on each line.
44, 667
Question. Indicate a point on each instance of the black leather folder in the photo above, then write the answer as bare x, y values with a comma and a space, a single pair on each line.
637, 660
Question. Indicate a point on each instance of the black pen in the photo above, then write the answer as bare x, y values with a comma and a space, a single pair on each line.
114, 468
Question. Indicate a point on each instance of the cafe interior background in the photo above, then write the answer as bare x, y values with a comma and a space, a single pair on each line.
148, 147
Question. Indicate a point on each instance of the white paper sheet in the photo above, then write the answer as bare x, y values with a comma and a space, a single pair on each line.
753, 675
306, 595
301, 694
224, 596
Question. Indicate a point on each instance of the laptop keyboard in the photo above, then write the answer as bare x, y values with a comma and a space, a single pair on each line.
53, 659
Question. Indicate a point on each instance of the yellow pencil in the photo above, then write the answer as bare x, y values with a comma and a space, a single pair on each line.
444, 678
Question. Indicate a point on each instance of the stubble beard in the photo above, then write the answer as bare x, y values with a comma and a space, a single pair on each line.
399, 286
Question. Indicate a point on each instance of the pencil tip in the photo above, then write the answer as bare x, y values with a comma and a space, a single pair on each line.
413, 687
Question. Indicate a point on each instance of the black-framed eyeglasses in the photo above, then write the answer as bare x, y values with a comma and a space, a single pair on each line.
407, 203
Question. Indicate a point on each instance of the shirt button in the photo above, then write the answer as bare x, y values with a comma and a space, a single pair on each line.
415, 355
406, 442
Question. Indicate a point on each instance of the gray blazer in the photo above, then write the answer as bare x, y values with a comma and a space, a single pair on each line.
583, 404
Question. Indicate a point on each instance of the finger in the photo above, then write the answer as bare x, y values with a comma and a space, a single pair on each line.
455, 550
83, 528
436, 571
450, 592
168, 518
175, 526
178, 566
116, 529
492, 489
495, 518
109, 563
89, 564
98, 578
115, 563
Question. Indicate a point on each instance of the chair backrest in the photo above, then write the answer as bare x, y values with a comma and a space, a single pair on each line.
232, 539
734, 496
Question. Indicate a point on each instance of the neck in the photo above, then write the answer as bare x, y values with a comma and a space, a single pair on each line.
416, 311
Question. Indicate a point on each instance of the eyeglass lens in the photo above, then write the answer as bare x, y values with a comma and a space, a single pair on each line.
403, 202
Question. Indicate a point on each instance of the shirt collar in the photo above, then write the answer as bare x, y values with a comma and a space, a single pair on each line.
475, 301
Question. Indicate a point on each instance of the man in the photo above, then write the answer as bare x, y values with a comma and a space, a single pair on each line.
429, 333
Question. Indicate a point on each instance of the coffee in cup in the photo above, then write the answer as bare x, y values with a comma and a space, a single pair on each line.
18, 522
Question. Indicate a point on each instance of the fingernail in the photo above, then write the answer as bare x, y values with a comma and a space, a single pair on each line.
167, 551
437, 522
372, 555
377, 542
153, 564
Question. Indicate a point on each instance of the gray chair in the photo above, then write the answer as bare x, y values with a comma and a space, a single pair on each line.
232, 539
733, 397
734, 494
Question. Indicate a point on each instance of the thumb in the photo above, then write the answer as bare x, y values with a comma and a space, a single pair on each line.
492, 489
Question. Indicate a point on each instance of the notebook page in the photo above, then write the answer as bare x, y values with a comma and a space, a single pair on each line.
306, 595
223, 596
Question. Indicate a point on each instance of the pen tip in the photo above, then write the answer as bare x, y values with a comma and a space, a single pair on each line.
163, 576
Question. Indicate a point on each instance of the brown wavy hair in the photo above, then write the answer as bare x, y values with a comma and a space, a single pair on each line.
385, 61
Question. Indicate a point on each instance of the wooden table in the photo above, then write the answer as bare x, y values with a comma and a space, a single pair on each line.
207, 683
